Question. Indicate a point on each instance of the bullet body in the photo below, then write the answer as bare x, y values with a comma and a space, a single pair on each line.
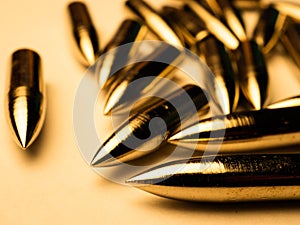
228, 178
154, 21
84, 32
243, 131
226, 10
142, 134
253, 74
213, 25
112, 56
214, 54
269, 28
151, 67
25, 98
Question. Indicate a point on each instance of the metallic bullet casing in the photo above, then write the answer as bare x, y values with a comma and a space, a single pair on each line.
253, 74
154, 21
129, 31
26, 97
269, 28
250, 5
84, 32
227, 178
151, 66
214, 54
290, 40
288, 8
243, 131
143, 134
226, 10
213, 25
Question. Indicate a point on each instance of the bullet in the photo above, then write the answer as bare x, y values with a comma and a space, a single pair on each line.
225, 178
269, 28
243, 131
290, 41
84, 32
25, 98
151, 66
143, 134
226, 10
214, 54
129, 31
155, 22
213, 25
253, 74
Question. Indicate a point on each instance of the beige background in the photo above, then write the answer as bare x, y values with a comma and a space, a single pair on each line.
51, 183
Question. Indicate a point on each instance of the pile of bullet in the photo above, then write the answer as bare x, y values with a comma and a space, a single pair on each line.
213, 30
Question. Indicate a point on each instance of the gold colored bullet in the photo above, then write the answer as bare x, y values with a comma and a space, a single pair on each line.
84, 32
253, 74
214, 26
226, 10
290, 9
155, 22
25, 99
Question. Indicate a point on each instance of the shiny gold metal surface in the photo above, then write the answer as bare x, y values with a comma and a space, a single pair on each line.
253, 74
213, 25
243, 131
129, 31
214, 54
84, 32
269, 28
225, 178
155, 22
249, 5
143, 134
226, 10
118, 93
25, 99
288, 102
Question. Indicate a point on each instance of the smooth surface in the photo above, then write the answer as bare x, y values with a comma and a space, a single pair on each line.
51, 183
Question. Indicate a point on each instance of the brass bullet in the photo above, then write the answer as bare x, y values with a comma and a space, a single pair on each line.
225, 178
214, 54
84, 32
214, 25
143, 134
243, 131
253, 74
26, 97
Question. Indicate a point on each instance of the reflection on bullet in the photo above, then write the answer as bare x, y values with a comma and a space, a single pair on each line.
144, 132
290, 40
119, 94
25, 99
112, 56
269, 28
214, 54
84, 31
288, 102
253, 75
290, 9
214, 26
154, 21
243, 131
225, 9
225, 178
